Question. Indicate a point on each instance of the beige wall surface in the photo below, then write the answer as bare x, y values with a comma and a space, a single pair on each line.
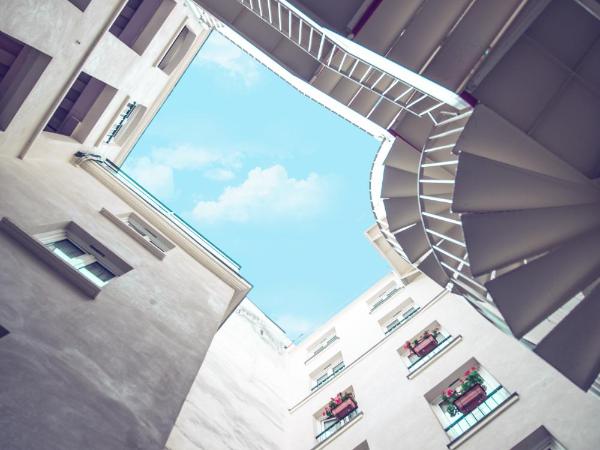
236, 400
109, 373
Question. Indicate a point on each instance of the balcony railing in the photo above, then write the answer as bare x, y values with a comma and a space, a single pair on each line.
330, 341
332, 429
384, 298
337, 369
164, 210
402, 321
414, 365
464, 423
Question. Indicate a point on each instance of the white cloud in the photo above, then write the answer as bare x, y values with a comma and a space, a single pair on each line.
266, 195
220, 174
186, 157
219, 51
294, 326
156, 178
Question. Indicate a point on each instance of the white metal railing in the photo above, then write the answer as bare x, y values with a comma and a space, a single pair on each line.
391, 82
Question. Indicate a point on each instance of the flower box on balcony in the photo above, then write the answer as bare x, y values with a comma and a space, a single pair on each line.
344, 408
470, 399
425, 346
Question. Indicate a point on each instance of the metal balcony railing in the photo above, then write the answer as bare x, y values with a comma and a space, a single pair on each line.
336, 370
331, 430
422, 360
179, 223
330, 341
398, 323
384, 298
390, 82
464, 423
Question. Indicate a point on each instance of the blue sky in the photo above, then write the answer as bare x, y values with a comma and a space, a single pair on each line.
274, 179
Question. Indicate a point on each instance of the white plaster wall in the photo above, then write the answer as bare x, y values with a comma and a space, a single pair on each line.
110, 373
238, 400
75, 41
395, 412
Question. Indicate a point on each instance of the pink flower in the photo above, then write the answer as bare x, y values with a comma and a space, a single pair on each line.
467, 373
449, 392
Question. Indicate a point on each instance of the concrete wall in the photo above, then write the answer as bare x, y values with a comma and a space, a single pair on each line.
239, 398
79, 41
109, 373
395, 409
240, 369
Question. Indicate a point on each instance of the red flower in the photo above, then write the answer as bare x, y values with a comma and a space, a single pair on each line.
467, 373
449, 392
473, 369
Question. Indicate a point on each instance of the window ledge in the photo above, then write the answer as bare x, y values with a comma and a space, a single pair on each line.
513, 398
54, 262
420, 369
132, 233
342, 430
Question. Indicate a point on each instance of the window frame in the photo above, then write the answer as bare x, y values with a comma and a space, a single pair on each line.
31, 241
159, 247
81, 262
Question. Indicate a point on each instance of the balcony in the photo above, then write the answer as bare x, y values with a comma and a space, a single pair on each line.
444, 343
322, 347
322, 381
495, 401
399, 322
384, 298
337, 426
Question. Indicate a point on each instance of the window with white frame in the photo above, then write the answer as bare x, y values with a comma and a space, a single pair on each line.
327, 371
399, 315
147, 232
468, 396
429, 341
384, 295
141, 231
128, 115
70, 249
336, 414
314, 349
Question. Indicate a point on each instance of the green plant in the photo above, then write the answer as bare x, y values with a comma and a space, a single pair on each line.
471, 378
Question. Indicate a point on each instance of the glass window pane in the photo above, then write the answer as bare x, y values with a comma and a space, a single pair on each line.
66, 249
97, 273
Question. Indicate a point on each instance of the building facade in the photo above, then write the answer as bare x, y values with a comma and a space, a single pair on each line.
397, 348
485, 190
108, 301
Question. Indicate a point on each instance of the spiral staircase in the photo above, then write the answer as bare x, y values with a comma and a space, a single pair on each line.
493, 193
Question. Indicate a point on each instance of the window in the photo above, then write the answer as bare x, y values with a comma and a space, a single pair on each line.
139, 21
316, 348
80, 109
327, 371
125, 121
70, 247
336, 415
84, 262
467, 399
423, 348
141, 231
21, 66
72, 252
398, 316
383, 297
177, 50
